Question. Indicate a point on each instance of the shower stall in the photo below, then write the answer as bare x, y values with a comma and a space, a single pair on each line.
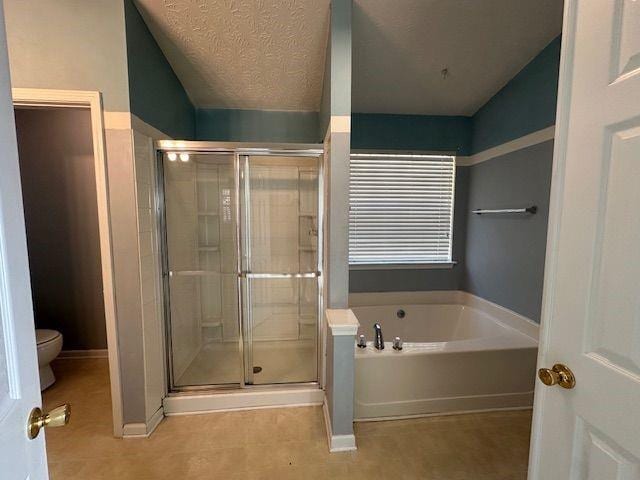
241, 241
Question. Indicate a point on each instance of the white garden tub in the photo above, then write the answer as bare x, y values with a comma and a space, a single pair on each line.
460, 353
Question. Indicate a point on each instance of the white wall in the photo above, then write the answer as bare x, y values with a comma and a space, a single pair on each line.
150, 284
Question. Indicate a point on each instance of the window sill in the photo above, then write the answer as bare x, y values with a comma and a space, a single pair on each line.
405, 266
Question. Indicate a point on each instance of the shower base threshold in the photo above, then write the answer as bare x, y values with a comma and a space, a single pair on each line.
267, 397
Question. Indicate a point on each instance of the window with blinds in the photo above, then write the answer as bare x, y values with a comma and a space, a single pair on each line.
400, 208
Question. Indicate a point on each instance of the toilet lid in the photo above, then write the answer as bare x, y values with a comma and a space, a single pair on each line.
45, 335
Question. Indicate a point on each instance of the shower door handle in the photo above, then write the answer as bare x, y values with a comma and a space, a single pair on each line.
191, 273
279, 275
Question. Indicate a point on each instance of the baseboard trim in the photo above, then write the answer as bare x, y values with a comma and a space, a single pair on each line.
336, 443
154, 421
143, 430
440, 414
134, 430
73, 354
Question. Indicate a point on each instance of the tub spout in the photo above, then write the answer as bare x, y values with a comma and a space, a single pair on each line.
379, 341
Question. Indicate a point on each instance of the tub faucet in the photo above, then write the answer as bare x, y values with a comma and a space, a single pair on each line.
379, 341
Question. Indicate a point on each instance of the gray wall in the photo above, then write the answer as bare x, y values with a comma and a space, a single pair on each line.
339, 372
340, 381
65, 44
59, 193
505, 254
337, 160
500, 259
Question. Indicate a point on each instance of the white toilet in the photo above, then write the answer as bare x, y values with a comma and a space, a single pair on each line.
49, 346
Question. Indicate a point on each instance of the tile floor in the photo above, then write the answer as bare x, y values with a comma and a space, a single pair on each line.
274, 444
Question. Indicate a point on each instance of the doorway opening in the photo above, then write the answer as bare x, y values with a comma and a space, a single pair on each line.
62, 163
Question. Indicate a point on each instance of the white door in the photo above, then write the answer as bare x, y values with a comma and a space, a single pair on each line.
591, 306
20, 458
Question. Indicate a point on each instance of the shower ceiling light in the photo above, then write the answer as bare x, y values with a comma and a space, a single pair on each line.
172, 156
184, 157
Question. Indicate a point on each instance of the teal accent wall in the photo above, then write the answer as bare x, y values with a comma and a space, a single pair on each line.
524, 105
257, 126
340, 55
411, 132
324, 116
156, 95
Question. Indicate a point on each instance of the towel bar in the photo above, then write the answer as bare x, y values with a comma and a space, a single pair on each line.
533, 209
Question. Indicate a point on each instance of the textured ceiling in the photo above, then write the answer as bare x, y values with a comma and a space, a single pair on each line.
260, 54
269, 54
400, 48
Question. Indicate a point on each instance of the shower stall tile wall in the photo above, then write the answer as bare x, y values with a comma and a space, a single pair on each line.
151, 295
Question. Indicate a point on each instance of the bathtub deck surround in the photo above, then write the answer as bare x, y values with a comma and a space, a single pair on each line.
502, 314
341, 328
454, 345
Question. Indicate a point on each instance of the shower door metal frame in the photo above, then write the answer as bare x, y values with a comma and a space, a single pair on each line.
239, 151
248, 275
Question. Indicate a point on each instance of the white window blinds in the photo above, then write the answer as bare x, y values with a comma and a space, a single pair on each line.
400, 208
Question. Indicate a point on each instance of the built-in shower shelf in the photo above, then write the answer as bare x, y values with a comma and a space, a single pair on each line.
209, 249
275, 304
306, 248
212, 324
307, 320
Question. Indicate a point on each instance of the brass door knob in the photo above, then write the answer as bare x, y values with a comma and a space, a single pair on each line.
558, 375
58, 417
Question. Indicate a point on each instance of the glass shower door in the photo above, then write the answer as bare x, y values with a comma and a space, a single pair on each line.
280, 268
200, 271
